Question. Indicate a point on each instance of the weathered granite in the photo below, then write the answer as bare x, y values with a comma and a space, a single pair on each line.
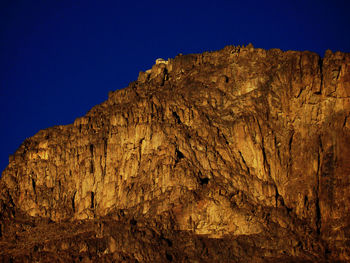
241, 154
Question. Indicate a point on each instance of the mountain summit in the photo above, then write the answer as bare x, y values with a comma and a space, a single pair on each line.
237, 155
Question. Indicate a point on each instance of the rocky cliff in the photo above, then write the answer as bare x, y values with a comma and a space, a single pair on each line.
241, 154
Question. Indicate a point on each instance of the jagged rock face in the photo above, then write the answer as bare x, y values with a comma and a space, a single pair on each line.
241, 143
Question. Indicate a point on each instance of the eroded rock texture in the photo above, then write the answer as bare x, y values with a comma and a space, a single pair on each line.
237, 155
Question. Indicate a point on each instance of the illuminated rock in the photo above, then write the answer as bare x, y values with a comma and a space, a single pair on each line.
243, 151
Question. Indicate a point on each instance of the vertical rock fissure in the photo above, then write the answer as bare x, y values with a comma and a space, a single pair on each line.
140, 150
92, 150
266, 163
317, 200
33, 185
73, 201
320, 65
176, 117
345, 121
277, 147
105, 144
290, 159
290, 144
92, 205
92, 168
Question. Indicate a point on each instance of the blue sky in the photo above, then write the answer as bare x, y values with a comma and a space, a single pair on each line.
58, 58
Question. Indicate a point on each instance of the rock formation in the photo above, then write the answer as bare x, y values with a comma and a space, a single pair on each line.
238, 155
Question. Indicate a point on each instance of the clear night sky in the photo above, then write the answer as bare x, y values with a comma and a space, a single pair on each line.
58, 58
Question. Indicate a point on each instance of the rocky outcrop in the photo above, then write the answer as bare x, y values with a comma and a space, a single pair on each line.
239, 154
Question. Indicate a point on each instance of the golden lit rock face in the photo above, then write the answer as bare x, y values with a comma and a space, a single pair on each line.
242, 143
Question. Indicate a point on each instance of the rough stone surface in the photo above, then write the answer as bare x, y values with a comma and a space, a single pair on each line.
241, 154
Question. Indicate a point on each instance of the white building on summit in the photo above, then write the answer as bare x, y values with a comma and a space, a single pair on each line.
161, 61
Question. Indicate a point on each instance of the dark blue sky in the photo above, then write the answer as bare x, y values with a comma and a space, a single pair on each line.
58, 58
